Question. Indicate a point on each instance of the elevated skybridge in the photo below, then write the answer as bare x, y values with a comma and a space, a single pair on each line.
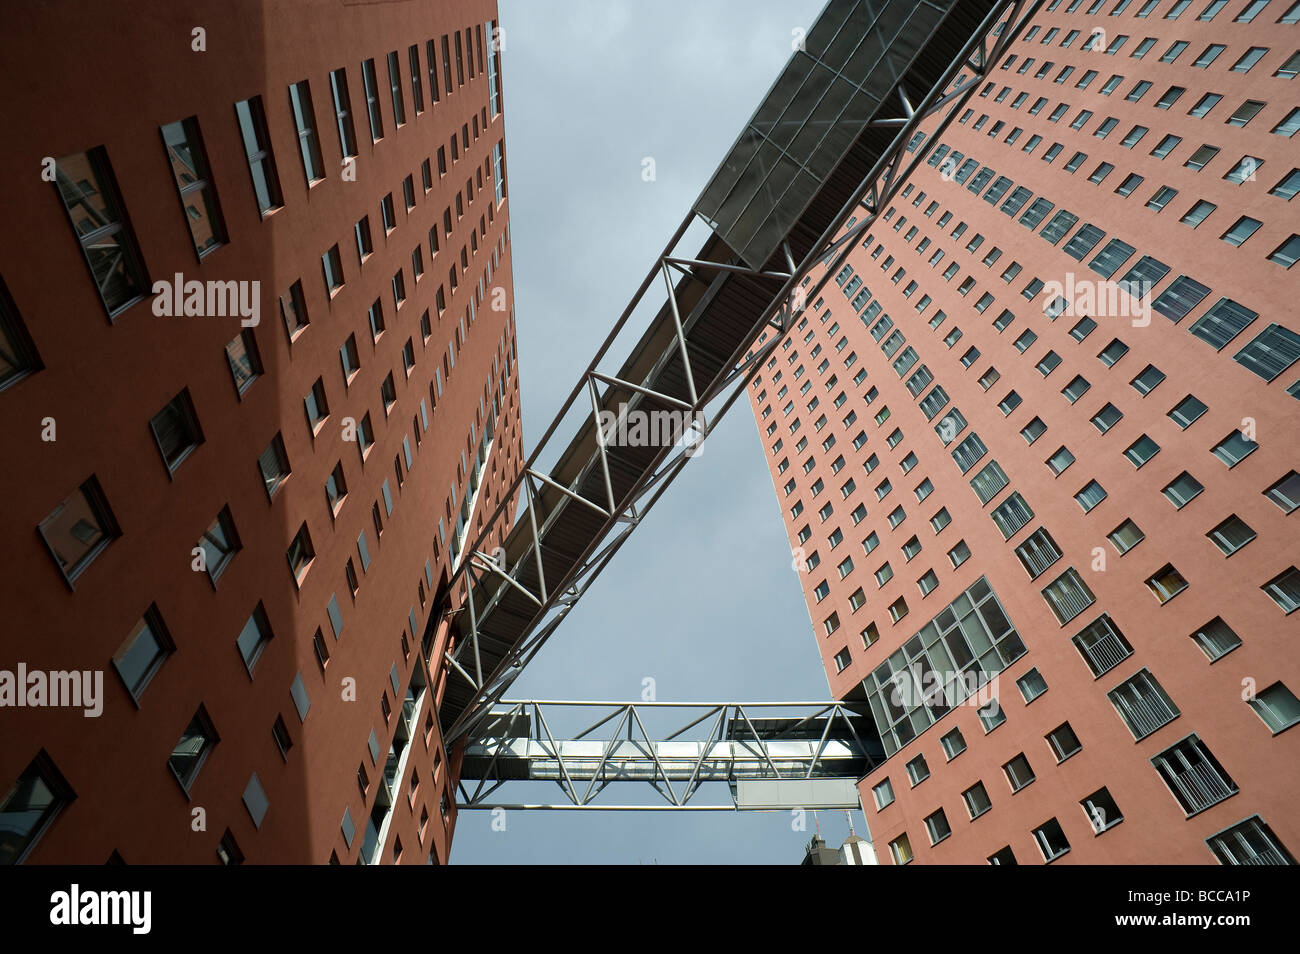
772, 756
829, 141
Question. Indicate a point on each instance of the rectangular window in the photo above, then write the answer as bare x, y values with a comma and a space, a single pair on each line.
1141, 451
94, 206
1231, 535
1108, 261
917, 770
244, 360
494, 88
431, 59
1084, 241
1011, 515
316, 406
954, 744
364, 436
1126, 537
274, 465
1277, 707
370, 83
193, 747
343, 113
1068, 595
1178, 300
143, 652
176, 430
1194, 775
1234, 448
1250, 842
301, 701
399, 290
900, 849
332, 269
989, 482
18, 356
300, 554
1060, 461
349, 358
1285, 493
1038, 552
336, 488
293, 310
1102, 645
1216, 639
1284, 590
1101, 810
1031, 685
362, 234
1060, 224
30, 807
1019, 772
1063, 741
257, 148
1166, 583
1272, 352
884, 794
937, 827
1076, 389
1182, 490
305, 121
977, 800
417, 90
79, 529
969, 452
446, 65
219, 544
991, 715
1143, 704
254, 637
189, 164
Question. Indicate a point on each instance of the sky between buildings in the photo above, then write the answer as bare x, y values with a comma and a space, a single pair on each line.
702, 598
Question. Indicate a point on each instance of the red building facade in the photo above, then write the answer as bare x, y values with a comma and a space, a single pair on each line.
259, 384
1034, 445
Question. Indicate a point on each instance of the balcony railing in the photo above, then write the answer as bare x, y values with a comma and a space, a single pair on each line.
1146, 712
1106, 653
1201, 786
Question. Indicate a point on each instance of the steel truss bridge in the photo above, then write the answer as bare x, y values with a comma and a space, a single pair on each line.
772, 755
820, 160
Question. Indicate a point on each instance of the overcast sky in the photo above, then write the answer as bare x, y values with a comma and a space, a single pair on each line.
702, 598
